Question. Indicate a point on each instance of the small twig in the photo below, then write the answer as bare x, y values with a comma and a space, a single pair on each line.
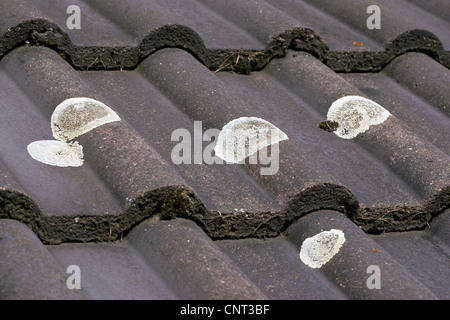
220, 216
223, 63
265, 222
92, 63
385, 220
99, 57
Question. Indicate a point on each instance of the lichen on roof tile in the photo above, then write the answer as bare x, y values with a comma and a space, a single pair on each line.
319, 249
355, 115
243, 137
70, 119
131, 203
57, 153
76, 116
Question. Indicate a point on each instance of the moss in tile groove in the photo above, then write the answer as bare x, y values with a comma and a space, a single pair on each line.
40, 32
179, 202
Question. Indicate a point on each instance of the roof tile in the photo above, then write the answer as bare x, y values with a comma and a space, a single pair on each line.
140, 226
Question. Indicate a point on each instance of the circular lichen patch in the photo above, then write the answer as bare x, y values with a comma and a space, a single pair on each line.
56, 153
319, 249
354, 115
244, 136
76, 116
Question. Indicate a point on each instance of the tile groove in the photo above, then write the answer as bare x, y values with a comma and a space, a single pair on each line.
179, 202
40, 32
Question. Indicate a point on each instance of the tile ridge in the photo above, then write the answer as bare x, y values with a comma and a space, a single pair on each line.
41, 32
178, 201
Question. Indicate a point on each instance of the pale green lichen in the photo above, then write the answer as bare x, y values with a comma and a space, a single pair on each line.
76, 116
319, 249
355, 114
243, 137
70, 119
57, 153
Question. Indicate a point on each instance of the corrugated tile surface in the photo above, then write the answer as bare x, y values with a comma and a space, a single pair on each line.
141, 227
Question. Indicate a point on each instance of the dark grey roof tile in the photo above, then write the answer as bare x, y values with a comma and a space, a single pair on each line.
261, 20
27, 269
439, 8
275, 267
24, 122
160, 230
396, 18
309, 79
113, 271
96, 29
416, 112
106, 149
155, 117
425, 254
357, 254
194, 24
337, 34
428, 173
408, 178
424, 77
144, 16
208, 273
217, 105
